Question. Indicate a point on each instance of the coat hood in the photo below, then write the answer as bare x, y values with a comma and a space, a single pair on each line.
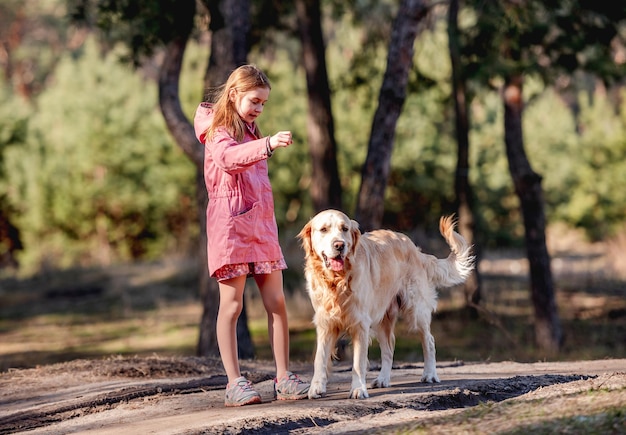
202, 120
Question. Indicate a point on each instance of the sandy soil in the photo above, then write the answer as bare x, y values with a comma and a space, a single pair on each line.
185, 396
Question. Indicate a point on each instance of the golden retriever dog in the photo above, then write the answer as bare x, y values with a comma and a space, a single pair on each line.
359, 282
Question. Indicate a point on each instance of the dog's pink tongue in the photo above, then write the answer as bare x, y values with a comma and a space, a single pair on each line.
336, 264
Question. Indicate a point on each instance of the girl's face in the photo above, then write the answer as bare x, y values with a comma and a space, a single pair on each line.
249, 104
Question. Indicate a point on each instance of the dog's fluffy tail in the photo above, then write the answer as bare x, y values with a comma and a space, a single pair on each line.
459, 265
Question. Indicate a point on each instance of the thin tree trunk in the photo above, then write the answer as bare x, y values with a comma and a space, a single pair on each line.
527, 184
182, 131
10, 242
325, 189
226, 43
209, 291
230, 26
375, 172
462, 187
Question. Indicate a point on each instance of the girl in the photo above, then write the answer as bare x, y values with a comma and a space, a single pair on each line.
242, 235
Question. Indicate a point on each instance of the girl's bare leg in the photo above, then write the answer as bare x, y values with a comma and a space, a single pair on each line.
231, 304
271, 288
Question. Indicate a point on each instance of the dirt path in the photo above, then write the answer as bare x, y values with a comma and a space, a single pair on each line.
185, 396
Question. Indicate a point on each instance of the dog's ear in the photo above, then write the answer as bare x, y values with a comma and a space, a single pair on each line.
305, 239
356, 234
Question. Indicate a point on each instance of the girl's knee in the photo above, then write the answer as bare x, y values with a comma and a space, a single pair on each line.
275, 302
231, 309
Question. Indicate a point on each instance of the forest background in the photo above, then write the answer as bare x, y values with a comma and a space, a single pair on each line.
90, 176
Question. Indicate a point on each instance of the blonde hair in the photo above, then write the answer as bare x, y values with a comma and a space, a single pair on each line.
243, 79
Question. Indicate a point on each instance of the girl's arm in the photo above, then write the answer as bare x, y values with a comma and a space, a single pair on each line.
234, 157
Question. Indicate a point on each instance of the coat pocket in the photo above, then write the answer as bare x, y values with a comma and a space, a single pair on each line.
238, 206
246, 223
236, 202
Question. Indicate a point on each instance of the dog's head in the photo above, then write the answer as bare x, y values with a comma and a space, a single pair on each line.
330, 237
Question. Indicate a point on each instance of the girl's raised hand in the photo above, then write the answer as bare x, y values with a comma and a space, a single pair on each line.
281, 139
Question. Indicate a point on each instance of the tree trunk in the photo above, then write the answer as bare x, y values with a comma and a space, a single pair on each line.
325, 189
230, 30
10, 242
209, 291
226, 43
182, 131
527, 184
375, 172
462, 187
230, 27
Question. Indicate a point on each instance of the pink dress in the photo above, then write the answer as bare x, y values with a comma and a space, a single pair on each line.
242, 235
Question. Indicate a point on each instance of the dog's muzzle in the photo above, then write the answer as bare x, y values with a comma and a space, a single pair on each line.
335, 262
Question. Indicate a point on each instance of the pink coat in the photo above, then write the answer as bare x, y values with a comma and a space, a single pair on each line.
241, 225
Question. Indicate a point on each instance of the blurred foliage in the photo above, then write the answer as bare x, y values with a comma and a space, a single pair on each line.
596, 198
286, 110
33, 35
545, 38
89, 173
97, 179
144, 25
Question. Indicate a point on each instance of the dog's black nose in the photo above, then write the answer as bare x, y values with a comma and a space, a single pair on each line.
339, 246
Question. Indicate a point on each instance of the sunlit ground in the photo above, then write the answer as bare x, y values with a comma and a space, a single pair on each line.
153, 308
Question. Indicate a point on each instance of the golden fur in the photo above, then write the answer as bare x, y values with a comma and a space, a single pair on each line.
359, 282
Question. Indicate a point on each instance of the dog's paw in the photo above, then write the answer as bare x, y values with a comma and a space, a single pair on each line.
358, 393
317, 390
380, 382
430, 378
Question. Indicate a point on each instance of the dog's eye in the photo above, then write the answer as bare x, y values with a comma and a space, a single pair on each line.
323, 230
344, 229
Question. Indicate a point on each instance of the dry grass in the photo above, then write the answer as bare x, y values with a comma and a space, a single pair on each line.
582, 407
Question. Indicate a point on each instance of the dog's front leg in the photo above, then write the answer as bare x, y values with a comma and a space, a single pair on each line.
325, 343
360, 342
